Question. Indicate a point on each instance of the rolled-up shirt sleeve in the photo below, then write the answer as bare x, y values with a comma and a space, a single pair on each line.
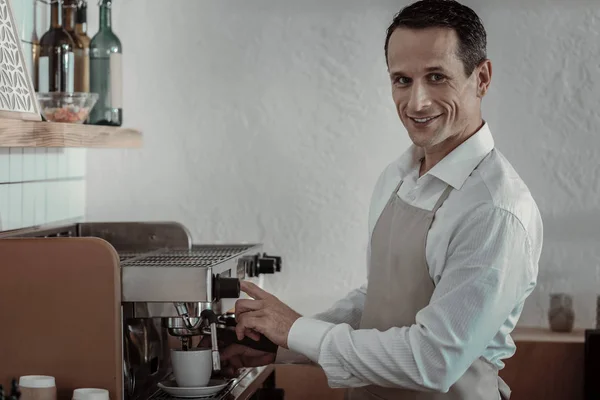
347, 310
490, 270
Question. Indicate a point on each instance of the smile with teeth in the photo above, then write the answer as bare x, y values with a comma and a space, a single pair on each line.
424, 119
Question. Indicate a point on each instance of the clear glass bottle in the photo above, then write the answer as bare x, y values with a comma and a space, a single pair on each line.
82, 69
106, 71
57, 59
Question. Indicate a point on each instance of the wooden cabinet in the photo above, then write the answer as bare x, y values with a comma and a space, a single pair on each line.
302, 382
546, 366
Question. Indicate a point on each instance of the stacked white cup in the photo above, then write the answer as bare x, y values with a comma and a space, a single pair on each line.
90, 394
37, 387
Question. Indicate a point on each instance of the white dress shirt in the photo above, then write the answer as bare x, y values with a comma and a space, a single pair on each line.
482, 252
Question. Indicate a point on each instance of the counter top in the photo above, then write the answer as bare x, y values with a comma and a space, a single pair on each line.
537, 334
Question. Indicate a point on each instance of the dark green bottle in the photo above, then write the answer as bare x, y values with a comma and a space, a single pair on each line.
106, 71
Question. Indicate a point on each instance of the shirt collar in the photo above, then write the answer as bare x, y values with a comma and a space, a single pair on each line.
455, 168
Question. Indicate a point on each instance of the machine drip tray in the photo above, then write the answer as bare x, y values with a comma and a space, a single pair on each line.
222, 395
249, 381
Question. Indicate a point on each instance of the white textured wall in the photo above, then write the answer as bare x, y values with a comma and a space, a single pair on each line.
270, 121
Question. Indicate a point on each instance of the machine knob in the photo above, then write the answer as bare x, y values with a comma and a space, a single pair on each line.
226, 288
276, 260
264, 264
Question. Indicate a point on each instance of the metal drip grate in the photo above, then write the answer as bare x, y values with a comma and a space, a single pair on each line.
160, 395
198, 256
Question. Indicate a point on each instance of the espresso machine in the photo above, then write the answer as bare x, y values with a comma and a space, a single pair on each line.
167, 291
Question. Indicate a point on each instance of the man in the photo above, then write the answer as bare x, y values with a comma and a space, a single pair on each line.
455, 239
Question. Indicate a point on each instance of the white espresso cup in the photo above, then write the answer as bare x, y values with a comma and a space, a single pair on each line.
90, 394
37, 387
193, 367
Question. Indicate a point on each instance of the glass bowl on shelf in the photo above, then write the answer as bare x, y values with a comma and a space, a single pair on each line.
65, 107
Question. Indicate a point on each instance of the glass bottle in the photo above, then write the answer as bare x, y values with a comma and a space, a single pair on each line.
57, 60
105, 71
82, 69
35, 55
69, 14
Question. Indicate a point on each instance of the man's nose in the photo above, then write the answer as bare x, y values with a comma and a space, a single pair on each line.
419, 99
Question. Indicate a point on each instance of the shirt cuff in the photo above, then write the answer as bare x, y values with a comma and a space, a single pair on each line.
306, 335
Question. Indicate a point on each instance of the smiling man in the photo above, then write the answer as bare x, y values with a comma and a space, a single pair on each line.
455, 238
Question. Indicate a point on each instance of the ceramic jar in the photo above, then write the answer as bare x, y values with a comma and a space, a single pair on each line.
561, 315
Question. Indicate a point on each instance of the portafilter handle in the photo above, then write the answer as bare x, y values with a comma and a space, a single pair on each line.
211, 317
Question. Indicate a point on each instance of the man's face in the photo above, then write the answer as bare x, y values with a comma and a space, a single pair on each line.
436, 102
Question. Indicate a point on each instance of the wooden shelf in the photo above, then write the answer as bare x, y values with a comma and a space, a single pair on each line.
533, 334
19, 133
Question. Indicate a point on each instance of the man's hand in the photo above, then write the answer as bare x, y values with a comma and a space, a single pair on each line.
266, 314
236, 356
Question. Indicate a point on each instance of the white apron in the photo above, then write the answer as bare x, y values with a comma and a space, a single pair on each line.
400, 286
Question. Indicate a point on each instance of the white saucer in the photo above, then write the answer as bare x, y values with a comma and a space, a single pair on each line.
214, 386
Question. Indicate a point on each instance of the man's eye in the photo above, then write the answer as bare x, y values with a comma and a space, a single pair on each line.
437, 77
402, 80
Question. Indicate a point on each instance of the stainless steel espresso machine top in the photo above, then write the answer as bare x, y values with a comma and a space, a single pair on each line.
173, 293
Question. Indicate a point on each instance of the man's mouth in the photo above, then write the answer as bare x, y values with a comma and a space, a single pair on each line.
424, 120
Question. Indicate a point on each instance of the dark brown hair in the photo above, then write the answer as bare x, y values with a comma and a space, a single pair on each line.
446, 14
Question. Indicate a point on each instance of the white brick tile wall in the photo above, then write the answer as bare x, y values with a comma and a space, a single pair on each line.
4, 165
52, 163
41, 158
57, 205
28, 204
77, 198
62, 170
52, 202
39, 207
4, 212
16, 164
29, 162
15, 206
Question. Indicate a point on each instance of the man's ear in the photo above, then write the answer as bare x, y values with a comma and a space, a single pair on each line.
484, 77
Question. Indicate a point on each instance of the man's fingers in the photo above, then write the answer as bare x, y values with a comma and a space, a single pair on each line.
253, 291
246, 321
256, 361
244, 305
228, 372
252, 334
232, 351
236, 362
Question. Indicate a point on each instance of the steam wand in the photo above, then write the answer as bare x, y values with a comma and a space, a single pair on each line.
212, 320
